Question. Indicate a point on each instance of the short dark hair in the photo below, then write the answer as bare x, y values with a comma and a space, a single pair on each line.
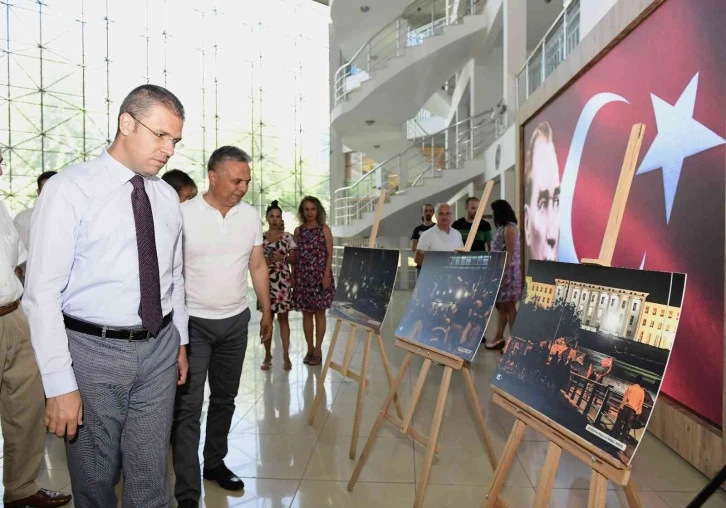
45, 176
227, 153
470, 199
178, 179
144, 97
322, 216
503, 213
639, 380
275, 205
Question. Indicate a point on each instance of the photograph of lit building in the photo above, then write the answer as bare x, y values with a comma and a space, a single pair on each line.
590, 348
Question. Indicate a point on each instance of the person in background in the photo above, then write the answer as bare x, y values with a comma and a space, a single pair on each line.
22, 220
182, 183
510, 290
280, 252
630, 408
222, 246
542, 195
21, 391
105, 302
483, 238
427, 213
312, 274
441, 237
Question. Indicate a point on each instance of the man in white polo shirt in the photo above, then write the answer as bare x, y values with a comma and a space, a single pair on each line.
222, 244
441, 237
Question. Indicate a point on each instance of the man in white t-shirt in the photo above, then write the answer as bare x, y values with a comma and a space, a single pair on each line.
222, 244
441, 237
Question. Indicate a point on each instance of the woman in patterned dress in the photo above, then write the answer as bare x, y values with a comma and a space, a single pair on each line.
280, 251
507, 239
313, 274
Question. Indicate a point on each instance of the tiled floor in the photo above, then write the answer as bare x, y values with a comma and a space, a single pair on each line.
287, 463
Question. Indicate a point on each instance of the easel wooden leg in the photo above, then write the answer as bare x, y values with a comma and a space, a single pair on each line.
324, 373
361, 393
379, 421
433, 437
348, 352
389, 376
505, 464
418, 388
547, 477
631, 493
598, 490
479, 416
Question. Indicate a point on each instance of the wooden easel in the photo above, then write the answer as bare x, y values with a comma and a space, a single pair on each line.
344, 369
604, 467
450, 364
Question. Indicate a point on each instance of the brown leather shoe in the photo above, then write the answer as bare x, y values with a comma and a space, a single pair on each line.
42, 499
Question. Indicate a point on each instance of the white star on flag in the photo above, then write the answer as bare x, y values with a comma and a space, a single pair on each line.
679, 136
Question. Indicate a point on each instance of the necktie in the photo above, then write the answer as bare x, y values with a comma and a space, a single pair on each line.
149, 283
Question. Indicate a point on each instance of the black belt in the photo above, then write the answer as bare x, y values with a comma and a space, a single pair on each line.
108, 332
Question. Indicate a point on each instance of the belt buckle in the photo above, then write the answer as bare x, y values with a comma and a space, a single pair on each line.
133, 332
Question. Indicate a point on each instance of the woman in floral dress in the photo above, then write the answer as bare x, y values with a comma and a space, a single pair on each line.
313, 274
507, 240
280, 250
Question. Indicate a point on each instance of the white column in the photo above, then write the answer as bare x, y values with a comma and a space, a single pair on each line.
337, 157
515, 49
487, 82
507, 188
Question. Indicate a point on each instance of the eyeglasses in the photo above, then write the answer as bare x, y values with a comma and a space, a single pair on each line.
176, 142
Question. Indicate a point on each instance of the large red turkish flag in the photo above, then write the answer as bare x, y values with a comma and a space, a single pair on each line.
670, 74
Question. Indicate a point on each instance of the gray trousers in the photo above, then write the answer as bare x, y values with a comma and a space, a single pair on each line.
127, 389
216, 346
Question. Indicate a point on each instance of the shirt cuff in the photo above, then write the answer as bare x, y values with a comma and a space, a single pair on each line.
59, 383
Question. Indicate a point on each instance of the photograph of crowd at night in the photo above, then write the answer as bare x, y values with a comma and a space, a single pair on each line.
365, 284
452, 301
590, 348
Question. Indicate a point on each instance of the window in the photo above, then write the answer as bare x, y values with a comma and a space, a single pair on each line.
647, 309
612, 302
670, 314
654, 311
652, 323
623, 305
592, 299
602, 300
641, 336
645, 321
668, 328
660, 326
635, 306
632, 320
662, 313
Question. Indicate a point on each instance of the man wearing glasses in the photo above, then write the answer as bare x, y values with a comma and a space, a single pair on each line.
105, 301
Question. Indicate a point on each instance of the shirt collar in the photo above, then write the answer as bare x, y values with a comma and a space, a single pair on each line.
118, 170
202, 203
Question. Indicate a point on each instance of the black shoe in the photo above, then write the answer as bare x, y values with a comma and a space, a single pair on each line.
188, 503
224, 477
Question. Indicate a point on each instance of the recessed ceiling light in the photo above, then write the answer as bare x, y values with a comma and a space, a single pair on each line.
370, 122
364, 8
376, 146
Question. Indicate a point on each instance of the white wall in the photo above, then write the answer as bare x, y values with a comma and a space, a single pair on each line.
591, 12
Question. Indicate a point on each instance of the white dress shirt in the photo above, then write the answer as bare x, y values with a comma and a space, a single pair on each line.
84, 260
22, 224
12, 253
438, 240
217, 257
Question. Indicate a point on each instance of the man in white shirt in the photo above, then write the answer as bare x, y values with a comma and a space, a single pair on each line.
105, 302
441, 237
21, 390
222, 245
22, 220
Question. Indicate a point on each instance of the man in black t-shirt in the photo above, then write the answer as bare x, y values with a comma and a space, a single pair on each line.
483, 239
427, 213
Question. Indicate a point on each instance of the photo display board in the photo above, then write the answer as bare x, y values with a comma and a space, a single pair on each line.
365, 285
590, 347
453, 300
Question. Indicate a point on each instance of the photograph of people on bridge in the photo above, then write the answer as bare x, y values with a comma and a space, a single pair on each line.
365, 285
590, 348
453, 300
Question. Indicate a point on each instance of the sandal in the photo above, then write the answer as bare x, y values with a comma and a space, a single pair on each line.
288, 364
496, 345
307, 358
315, 360
266, 364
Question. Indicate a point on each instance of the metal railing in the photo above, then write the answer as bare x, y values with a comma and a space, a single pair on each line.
427, 157
420, 20
560, 39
